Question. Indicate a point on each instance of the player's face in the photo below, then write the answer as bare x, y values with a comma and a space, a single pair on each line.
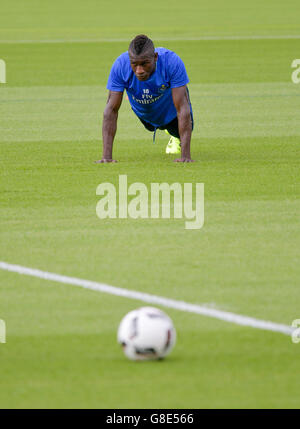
143, 66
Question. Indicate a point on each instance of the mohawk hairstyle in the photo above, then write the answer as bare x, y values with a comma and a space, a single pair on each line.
141, 45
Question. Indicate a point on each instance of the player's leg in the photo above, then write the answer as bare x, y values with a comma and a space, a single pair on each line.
171, 128
148, 126
173, 145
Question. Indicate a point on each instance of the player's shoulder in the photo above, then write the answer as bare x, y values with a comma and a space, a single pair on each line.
172, 67
121, 67
165, 52
122, 59
168, 56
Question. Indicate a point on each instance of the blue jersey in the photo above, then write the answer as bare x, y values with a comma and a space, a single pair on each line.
151, 100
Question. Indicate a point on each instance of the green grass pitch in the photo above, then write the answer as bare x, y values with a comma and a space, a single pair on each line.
61, 348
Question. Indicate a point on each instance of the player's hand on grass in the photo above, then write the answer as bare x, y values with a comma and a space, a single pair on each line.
104, 161
184, 160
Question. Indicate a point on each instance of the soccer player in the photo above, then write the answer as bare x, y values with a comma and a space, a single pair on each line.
156, 84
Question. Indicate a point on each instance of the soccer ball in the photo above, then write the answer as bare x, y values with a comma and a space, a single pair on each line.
146, 334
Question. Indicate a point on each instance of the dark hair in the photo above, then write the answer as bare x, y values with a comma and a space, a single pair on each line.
141, 45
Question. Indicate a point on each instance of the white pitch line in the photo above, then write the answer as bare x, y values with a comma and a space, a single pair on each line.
151, 299
161, 39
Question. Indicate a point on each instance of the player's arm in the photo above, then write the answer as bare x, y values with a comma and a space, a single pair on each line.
109, 125
181, 102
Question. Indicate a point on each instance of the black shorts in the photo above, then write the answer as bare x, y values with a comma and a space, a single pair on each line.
171, 127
